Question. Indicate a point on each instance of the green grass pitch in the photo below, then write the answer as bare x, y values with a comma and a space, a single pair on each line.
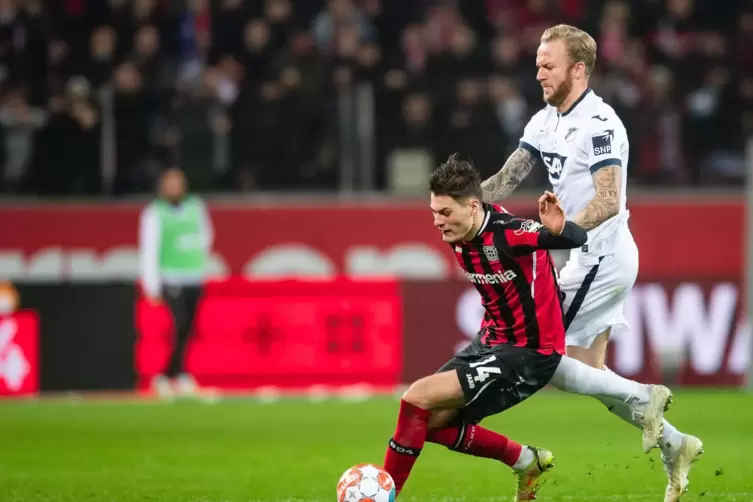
293, 449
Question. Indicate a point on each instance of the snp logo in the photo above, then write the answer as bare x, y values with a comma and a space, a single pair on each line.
554, 164
602, 142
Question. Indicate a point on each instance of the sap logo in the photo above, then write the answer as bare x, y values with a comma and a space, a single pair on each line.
554, 164
498, 278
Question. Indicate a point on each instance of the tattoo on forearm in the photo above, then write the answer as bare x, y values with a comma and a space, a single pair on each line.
502, 184
606, 202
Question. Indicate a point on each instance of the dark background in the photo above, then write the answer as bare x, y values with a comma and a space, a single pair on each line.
87, 335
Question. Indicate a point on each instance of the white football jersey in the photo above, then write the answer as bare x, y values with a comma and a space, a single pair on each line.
575, 144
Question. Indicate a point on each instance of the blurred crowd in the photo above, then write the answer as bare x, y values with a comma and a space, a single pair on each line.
101, 95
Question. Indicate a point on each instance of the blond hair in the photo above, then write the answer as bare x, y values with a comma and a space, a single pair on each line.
581, 47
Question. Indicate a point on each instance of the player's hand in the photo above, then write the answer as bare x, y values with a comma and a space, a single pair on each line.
551, 213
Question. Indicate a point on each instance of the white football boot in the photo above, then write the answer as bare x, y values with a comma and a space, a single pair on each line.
163, 387
529, 478
186, 385
651, 416
677, 466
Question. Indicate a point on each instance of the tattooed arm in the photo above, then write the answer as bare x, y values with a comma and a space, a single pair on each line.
606, 202
502, 184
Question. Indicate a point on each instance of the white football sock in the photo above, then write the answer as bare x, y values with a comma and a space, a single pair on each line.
579, 378
672, 440
525, 459
621, 409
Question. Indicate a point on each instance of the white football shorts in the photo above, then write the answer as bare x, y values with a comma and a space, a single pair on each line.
596, 285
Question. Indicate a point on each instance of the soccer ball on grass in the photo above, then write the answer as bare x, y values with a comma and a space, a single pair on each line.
365, 483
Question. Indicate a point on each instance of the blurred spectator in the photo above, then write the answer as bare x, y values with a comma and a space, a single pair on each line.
67, 153
284, 94
509, 109
659, 132
335, 17
415, 129
102, 56
131, 105
20, 122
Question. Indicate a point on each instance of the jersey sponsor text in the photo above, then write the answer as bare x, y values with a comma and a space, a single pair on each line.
498, 278
602, 143
554, 163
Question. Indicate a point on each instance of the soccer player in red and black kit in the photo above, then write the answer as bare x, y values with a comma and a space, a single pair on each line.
521, 345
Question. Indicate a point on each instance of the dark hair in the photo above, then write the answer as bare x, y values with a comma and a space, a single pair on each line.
457, 179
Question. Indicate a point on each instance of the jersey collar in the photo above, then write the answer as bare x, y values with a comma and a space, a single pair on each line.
577, 102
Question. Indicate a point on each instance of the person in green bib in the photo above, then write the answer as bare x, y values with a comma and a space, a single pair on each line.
175, 241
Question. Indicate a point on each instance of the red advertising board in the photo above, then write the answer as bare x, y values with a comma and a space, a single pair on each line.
684, 239
691, 255
19, 354
682, 332
287, 334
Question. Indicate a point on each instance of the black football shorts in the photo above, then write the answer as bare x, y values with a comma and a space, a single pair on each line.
495, 378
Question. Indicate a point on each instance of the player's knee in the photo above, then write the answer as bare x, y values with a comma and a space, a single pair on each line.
586, 356
443, 418
435, 392
418, 394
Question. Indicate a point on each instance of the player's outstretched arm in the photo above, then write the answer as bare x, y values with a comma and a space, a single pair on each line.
606, 203
558, 233
572, 236
502, 184
522, 236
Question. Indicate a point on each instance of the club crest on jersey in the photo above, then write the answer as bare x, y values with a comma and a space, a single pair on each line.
554, 164
602, 142
491, 253
571, 134
529, 226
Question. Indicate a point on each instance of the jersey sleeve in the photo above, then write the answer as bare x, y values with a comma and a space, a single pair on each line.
517, 232
605, 143
530, 139
522, 236
207, 229
149, 242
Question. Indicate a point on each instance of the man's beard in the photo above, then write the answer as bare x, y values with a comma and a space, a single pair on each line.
561, 94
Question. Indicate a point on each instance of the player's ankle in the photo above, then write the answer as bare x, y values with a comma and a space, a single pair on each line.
527, 457
640, 397
671, 442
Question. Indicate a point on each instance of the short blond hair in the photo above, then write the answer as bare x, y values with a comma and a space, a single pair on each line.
581, 47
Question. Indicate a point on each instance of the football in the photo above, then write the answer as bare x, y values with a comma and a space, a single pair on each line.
365, 483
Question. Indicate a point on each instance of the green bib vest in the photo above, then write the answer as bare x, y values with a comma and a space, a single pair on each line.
181, 250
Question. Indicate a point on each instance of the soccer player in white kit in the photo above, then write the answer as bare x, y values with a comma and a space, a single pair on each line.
584, 147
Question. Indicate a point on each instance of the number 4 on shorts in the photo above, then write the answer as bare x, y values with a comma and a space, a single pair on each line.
485, 371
